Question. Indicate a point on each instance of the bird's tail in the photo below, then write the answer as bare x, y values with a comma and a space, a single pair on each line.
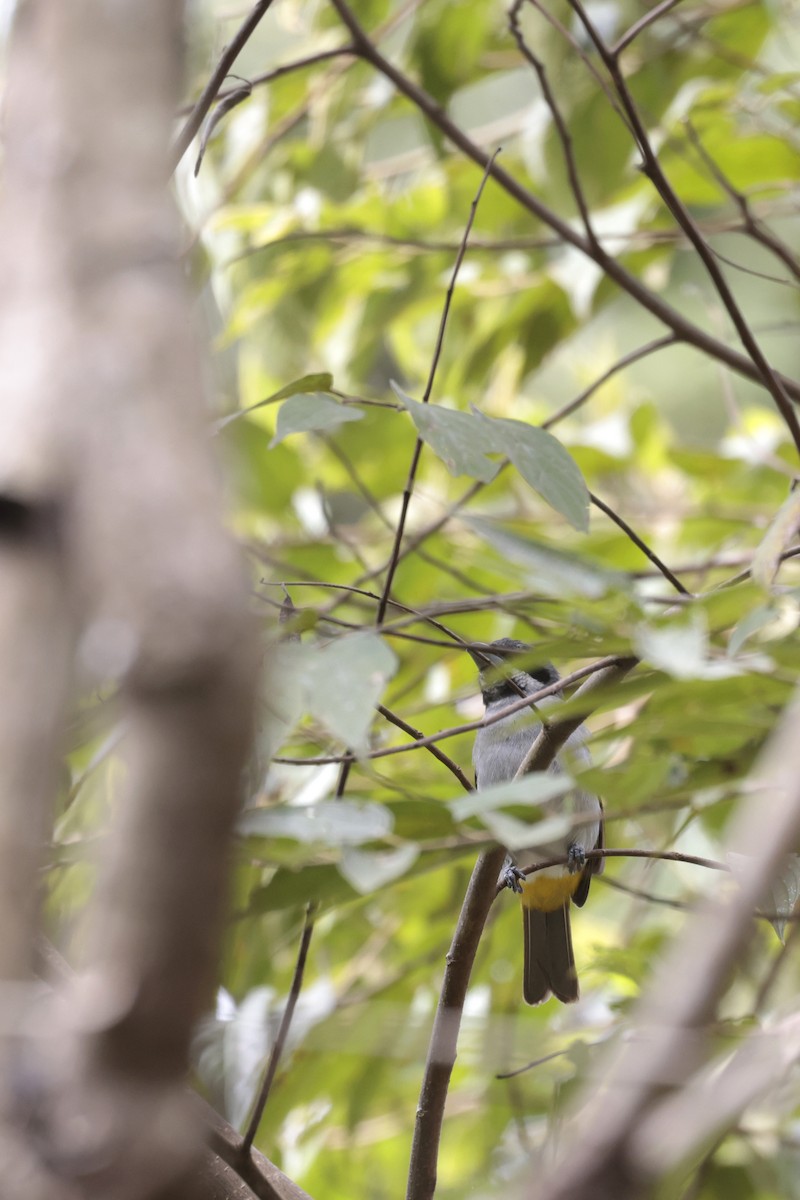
549, 961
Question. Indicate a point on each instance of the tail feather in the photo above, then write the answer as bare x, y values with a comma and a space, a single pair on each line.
549, 960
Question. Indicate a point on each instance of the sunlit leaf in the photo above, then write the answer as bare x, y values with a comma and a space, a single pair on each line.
681, 648
366, 871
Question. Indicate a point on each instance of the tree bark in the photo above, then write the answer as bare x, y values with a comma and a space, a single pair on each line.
117, 567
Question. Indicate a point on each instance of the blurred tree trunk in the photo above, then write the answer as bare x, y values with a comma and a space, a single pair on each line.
116, 567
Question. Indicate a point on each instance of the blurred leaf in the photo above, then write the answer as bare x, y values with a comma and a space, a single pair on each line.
331, 822
756, 620
537, 788
783, 526
784, 889
345, 680
519, 835
680, 648
783, 894
553, 571
368, 871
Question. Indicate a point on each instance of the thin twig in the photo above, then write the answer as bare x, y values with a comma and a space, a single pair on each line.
649, 18
561, 127
751, 223
631, 238
642, 545
352, 472
470, 726
443, 758
283, 1030
412, 471
298, 64
537, 1062
221, 71
233, 98
693, 860
669, 339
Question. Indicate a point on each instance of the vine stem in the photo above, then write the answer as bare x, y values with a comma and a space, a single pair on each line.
412, 470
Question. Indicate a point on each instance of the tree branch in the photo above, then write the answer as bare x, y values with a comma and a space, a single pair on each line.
221, 71
652, 168
648, 1083
475, 909
280, 1038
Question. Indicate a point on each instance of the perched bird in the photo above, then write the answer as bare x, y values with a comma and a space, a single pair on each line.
506, 673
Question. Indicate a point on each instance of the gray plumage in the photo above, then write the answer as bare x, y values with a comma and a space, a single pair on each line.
507, 672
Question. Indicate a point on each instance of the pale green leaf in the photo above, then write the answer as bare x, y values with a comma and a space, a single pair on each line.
321, 382
533, 789
367, 871
753, 622
543, 463
782, 528
680, 648
331, 822
311, 411
345, 680
457, 438
519, 835
783, 893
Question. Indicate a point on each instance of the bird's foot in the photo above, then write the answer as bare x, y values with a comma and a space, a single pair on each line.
576, 858
513, 878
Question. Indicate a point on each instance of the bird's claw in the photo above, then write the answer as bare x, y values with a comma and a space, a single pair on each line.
513, 878
576, 858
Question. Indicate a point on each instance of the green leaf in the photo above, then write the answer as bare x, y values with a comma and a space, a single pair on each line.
456, 437
311, 411
331, 822
345, 680
543, 463
368, 871
339, 683
321, 382
536, 788
767, 557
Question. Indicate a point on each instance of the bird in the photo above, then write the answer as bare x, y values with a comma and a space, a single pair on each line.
508, 670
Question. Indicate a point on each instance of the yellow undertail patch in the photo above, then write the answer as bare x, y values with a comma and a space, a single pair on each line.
547, 893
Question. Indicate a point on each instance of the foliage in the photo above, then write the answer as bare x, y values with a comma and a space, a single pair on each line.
328, 214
